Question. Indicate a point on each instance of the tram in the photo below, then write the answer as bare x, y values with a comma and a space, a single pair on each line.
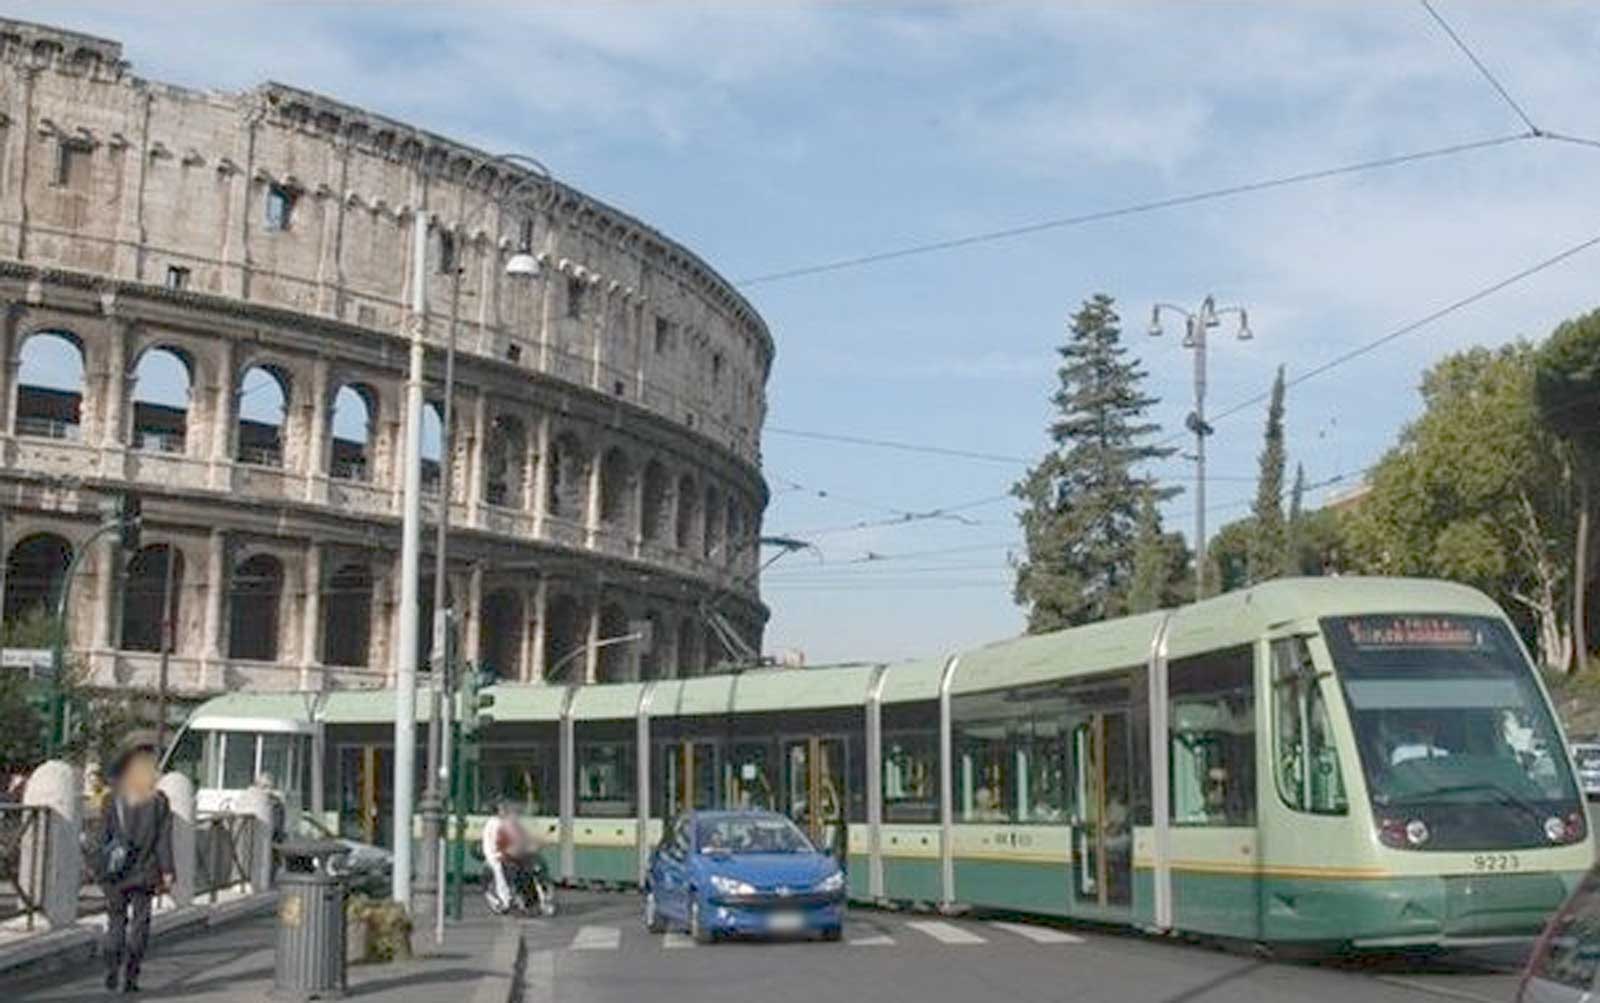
1332, 761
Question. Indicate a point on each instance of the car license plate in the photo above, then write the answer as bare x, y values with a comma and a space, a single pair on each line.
785, 922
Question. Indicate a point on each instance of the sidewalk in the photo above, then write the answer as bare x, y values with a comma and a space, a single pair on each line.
478, 963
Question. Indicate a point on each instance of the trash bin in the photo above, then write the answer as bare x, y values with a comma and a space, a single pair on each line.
310, 961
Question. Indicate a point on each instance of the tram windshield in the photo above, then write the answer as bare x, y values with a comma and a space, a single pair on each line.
1453, 730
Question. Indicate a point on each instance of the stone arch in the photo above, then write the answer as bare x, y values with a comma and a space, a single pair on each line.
653, 502
616, 488
505, 462
688, 512
143, 588
616, 658
255, 593
432, 445
568, 477
347, 616
50, 386
35, 569
163, 392
566, 634
501, 639
353, 421
262, 420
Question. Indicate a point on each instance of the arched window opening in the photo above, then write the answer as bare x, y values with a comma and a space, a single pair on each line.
616, 488
711, 538
688, 511
617, 656
501, 642
651, 663
352, 434
254, 594
568, 477
161, 401
505, 462
143, 590
50, 387
432, 446
654, 500
565, 637
690, 652
35, 569
263, 415
347, 617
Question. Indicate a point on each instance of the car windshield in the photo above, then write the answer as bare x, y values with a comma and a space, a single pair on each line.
1446, 711
1587, 757
766, 834
307, 827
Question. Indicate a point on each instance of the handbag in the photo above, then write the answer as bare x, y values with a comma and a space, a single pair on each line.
116, 855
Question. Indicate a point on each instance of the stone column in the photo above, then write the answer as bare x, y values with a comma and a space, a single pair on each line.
115, 384
541, 475
477, 465
105, 607
257, 853
311, 613
532, 463
314, 463
54, 871
179, 790
222, 416
472, 628
8, 367
541, 604
591, 520
216, 589
638, 507
591, 653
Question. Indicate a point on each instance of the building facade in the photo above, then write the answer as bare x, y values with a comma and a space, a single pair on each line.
206, 303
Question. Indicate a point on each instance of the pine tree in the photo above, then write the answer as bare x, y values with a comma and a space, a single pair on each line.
1268, 549
1296, 544
1083, 499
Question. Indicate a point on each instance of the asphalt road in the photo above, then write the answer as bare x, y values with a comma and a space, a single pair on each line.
597, 951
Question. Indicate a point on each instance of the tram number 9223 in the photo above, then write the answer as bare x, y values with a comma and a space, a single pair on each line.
1496, 862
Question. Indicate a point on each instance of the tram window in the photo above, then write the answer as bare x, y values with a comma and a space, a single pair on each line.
1306, 760
523, 774
1042, 776
984, 773
747, 776
275, 760
238, 760
911, 777
605, 780
186, 755
1213, 739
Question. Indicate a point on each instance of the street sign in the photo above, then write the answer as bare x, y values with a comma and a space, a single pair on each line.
35, 661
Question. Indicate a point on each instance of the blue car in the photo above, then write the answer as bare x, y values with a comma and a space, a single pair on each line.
725, 873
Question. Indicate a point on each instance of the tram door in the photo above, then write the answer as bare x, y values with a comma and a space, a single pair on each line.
366, 793
814, 788
1102, 833
689, 777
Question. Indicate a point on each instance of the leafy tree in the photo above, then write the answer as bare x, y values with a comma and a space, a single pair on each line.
1268, 554
1082, 500
1475, 491
1567, 392
1229, 550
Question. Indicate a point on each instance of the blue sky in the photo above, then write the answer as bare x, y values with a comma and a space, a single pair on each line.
768, 136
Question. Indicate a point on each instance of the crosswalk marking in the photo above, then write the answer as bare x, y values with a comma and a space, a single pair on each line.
674, 939
946, 933
597, 938
872, 940
1039, 934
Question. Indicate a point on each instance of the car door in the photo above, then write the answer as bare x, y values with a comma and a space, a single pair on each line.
672, 871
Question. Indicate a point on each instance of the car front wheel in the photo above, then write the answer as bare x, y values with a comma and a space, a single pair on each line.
652, 914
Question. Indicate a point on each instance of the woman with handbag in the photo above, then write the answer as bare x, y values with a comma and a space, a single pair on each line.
136, 857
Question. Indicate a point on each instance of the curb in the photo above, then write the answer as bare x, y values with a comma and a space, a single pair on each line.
509, 955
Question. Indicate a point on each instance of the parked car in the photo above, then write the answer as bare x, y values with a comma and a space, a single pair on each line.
1586, 756
366, 868
1566, 960
720, 873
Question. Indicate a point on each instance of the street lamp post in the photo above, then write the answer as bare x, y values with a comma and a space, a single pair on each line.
521, 264
1196, 326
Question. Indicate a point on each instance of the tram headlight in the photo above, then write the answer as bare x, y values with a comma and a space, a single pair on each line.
1568, 829
1417, 832
1555, 830
1403, 834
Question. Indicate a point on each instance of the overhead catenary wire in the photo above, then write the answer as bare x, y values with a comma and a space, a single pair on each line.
1466, 50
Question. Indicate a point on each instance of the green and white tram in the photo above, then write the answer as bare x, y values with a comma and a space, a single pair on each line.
1356, 761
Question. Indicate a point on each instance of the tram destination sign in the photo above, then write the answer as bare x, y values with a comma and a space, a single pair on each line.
1389, 632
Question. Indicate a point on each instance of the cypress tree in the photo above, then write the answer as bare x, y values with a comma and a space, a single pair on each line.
1297, 536
1268, 542
1082, 499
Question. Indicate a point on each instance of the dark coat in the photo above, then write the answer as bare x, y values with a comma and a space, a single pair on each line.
147, 829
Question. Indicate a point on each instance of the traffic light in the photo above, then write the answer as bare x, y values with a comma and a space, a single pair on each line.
127, 513
477, 705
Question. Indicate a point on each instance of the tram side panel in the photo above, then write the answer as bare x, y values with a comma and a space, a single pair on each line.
910, 843
605, 829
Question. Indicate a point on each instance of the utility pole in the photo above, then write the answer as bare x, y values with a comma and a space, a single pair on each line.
1196, 325
405, 688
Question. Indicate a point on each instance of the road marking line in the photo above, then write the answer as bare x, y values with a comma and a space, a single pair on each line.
872, 940
945, 933
1039, 934
673, 939
597, 938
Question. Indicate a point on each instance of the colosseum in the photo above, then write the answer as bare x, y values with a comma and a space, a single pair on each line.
208, 305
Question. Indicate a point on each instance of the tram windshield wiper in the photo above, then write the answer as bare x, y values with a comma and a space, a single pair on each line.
1504, 795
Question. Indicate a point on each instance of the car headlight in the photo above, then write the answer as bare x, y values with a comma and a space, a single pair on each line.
832, 883
731, 886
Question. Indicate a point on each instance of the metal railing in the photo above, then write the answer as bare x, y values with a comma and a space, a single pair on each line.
49, 428
23, 861
224, 848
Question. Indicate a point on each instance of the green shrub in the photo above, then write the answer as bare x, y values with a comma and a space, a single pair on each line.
387, 928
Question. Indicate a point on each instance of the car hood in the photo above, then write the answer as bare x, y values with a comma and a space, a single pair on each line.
766, 870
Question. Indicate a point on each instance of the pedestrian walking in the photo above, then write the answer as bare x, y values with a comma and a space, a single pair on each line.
135, 856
